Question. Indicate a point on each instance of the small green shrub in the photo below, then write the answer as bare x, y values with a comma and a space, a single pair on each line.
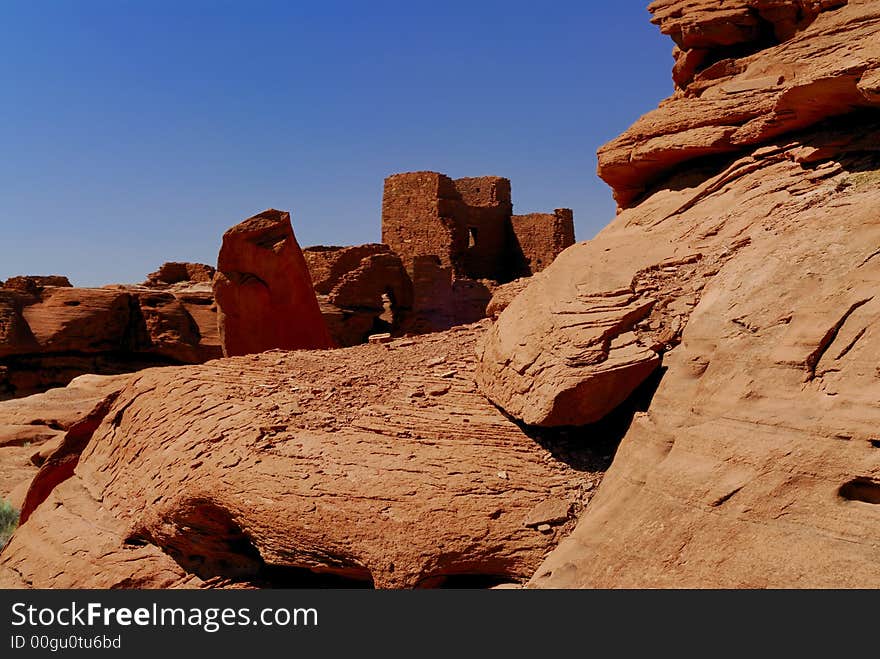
8, 521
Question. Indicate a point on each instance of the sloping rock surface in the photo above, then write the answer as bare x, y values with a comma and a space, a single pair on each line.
758, 461
376, 464
752, 279
32, 428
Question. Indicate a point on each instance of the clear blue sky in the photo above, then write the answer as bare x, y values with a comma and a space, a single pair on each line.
134, 133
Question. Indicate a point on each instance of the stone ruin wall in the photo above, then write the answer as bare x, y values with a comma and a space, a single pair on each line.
459, 240
539, 238
449, 243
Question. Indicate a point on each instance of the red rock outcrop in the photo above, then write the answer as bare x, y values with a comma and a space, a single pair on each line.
362, 290
754, 280
731, 102
51, 332
264, 291
376, 464
32, 428
175, 272
756, 463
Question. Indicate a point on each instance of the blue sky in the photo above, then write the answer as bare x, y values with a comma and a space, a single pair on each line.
136, 132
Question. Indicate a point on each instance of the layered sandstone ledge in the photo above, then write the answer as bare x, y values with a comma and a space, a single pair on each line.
748, 72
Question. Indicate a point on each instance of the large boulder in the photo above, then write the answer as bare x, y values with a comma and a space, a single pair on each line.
756, 462
580, 339
51, 333
379, 464
752, 280
263, 289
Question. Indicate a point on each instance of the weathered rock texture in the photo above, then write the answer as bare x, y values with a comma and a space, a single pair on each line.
539, 239
175, 272
376, 464
362, 290
263, 289
750, 70
34, 283
754, 278
459, 239
51, 332
32, 428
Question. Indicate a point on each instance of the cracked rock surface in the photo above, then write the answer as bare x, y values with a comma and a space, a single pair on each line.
757, 463
379, 464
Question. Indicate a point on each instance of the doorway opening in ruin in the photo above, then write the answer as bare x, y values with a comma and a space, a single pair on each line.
387, 319
472, 237
387, 314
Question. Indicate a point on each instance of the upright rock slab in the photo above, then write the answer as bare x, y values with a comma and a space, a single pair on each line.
263, 289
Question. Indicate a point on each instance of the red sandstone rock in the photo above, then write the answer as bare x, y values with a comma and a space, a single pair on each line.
756, 462
80, 319
175, 324
59, 465
755, 279
361, 290
27, 425
737, 101
504, 295
375, 463
15, 334
34, 283
175, 272
754, 465
263, 289
49, 335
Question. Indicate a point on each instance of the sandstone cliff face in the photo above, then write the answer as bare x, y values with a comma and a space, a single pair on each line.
753, 280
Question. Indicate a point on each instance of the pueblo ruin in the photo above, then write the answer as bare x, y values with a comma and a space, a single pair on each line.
688, 399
